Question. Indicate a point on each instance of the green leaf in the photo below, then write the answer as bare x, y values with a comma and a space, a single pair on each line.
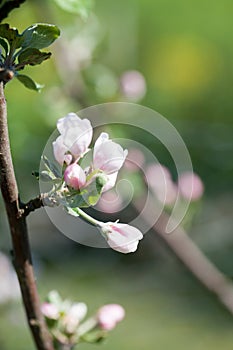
80, 7
32, 57
11, 35
40, 35
51, 167
8, 33
46, 176
4, 45
29, 83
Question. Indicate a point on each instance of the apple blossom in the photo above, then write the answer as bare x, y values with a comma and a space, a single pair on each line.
190, 185
74, 176
74, 316
121, 237
75, 137
108, 155
109, 315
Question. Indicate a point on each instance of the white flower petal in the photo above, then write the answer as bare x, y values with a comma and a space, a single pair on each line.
121, 237
59, 150
108, 155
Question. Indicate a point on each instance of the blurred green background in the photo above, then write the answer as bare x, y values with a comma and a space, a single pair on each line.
184, 51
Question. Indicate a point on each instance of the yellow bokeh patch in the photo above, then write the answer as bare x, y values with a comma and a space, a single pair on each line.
183, 65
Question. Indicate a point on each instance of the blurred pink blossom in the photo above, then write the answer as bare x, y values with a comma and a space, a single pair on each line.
134, 160
76, 135
121, 237
109, 315
50, 310
160, 181
74, 176
191, 186
74, 316
133, 85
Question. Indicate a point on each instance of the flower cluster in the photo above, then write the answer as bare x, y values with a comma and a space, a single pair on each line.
76, 186
67, 323
73, 143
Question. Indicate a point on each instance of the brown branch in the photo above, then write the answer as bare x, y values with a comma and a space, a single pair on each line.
32, 205
19, 235
192, 257
8, 7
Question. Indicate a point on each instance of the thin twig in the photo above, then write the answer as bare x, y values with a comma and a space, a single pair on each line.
32, 205
8, 6
19, 235
193, 258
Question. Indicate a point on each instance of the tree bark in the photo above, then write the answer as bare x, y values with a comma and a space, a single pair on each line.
19, 234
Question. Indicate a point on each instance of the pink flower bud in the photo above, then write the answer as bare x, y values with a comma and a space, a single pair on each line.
108, 155
109, 315
191, 186
74, 176
121, 237
50, 311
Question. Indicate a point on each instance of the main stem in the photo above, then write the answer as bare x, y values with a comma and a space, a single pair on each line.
19, 234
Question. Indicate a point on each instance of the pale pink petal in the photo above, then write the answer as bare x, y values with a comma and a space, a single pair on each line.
108, 155
59, 150
121, 237
77, 134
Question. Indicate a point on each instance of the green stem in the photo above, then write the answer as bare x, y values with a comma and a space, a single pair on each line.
88, 218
